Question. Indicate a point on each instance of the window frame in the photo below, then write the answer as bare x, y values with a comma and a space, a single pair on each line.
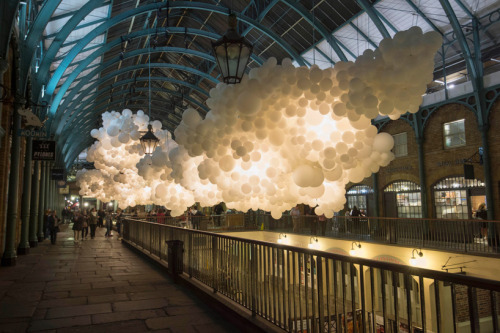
445, 136
406, 144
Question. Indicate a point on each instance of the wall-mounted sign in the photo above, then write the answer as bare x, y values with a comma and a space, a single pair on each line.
452, 162
44, 150
61, 183
32, 133
58, 174
397, 169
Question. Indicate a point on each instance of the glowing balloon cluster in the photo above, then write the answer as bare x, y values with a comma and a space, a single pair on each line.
283, 136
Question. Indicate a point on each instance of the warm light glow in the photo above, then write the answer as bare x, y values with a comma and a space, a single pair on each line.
86, 204
413, 261
416, 257
283, 239
314, 244
283, 136
354, 249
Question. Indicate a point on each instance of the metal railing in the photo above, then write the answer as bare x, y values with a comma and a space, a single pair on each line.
302, 290
474, 236
454, 235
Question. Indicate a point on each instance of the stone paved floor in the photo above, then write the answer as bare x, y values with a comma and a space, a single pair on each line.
97, 286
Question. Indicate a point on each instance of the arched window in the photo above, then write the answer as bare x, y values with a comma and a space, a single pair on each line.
457, 197
360, 196
402, 199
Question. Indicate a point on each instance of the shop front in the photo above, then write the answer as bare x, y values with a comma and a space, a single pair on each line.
402, 199
457, 197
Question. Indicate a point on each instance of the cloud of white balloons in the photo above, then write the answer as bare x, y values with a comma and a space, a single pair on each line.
283, 136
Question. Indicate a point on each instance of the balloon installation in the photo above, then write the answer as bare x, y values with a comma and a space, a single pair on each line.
283, 136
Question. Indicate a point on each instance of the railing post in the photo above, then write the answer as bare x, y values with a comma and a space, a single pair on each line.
214, 263
473, 310
190, 255
319, 277
422, 232
464, 231
253, 275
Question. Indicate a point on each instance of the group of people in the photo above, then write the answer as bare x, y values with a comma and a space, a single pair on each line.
310, 217
84, 219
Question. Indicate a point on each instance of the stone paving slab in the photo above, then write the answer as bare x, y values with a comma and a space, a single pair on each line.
97, 286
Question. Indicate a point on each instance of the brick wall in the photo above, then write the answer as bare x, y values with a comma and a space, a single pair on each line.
441, 162
436, 154
462, 303
401, 168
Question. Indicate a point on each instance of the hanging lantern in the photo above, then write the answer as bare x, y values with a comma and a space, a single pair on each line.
149, 141
232, 53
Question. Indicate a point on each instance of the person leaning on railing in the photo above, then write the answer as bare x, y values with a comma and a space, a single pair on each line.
295, 212
218, 210
322, 224
482, 214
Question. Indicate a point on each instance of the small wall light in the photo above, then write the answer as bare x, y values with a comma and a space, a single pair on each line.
86, 204
354, 248
313, 243
282, 239
413, 259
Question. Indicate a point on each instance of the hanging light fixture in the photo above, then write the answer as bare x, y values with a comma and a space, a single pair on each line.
232, 53
149, 141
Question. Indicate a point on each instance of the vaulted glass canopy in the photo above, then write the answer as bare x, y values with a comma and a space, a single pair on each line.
89, 56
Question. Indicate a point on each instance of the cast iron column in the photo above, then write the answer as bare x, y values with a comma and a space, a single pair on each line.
9, 257
35, 191
421, 174
4, 65
375, 194
24, 245
46, 203
488, 183
41, 200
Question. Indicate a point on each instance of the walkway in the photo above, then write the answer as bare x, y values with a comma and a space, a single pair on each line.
97, 286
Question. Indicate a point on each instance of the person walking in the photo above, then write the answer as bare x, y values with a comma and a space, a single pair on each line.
46, 231
53, 225
102, 215
119, 224
92, 222
85, 226
109, 224
77, 226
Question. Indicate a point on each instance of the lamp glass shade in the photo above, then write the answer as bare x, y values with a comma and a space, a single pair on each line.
149, 141
232, 53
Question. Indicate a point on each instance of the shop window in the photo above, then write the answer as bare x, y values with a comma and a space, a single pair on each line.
453, 198
454, 134
400, 145
405, 196
358, 196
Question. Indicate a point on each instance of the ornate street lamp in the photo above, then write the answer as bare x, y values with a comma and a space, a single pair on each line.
232, 53
149, 141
